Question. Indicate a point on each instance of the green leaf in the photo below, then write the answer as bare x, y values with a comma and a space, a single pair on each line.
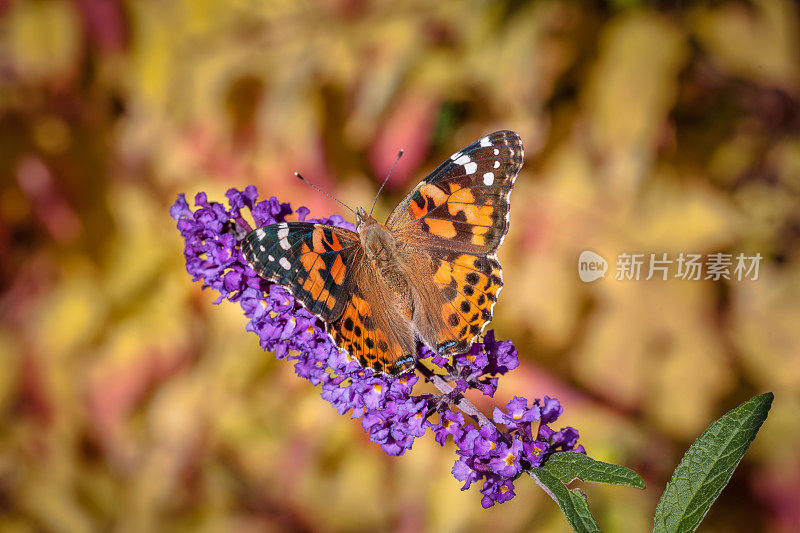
708, 466
572, 502
567, 466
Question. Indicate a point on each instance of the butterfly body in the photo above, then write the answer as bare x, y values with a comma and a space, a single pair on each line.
429, 273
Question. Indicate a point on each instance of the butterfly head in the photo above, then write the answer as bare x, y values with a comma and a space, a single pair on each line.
364, 219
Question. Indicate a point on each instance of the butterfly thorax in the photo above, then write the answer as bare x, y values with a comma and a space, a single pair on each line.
385, 253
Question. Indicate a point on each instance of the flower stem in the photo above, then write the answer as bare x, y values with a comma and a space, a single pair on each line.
459, 401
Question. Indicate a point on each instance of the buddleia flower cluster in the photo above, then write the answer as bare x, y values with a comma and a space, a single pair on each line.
494, 452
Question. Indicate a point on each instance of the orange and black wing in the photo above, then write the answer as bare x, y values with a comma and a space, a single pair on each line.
323, 267
463, 205
371, 330
470, 286
459, 216
315, 262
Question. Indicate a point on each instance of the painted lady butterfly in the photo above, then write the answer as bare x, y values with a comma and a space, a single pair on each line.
430, 272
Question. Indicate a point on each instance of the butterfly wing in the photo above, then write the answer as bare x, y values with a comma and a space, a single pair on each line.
458, 217
371, 329
322, 267
314, 262
464, 204
469, 286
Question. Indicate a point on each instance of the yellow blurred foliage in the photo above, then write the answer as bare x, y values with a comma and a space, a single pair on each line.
130, 402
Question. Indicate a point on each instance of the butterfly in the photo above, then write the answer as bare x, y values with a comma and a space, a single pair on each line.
429, 273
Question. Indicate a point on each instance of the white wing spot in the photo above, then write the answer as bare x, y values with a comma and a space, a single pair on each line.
270, 258
496, 151
260, 233
283, 232
470, 168
486, 142
285, 263
488, 178
262, 248
463, 160
497, 164
455, 156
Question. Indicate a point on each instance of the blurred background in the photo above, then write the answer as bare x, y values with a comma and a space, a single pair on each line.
128, 402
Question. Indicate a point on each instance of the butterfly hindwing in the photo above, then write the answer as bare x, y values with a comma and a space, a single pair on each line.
313, 261
470, 286
463, 205
368, 332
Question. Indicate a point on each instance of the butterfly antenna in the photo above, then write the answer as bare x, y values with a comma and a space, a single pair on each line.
301, 178
399, 155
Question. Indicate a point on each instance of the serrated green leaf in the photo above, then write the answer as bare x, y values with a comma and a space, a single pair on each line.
708, 466
567, 466
572, 502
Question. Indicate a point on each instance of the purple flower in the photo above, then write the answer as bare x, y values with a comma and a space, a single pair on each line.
534, 452
545, 433
518, 413
391, 414
496, 491
451, 423
463, 472
567, 438
506, 461
551, 409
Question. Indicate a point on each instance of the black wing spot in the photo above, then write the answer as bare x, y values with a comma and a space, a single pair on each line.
419, 200
357, 331
382, 346
465, 307
450, 290
370, 343
472, 278
348, 324
483, 265
469, 291
453, 319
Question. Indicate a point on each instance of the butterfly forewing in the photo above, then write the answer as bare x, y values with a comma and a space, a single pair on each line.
322, 267
463, 205
314, 261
